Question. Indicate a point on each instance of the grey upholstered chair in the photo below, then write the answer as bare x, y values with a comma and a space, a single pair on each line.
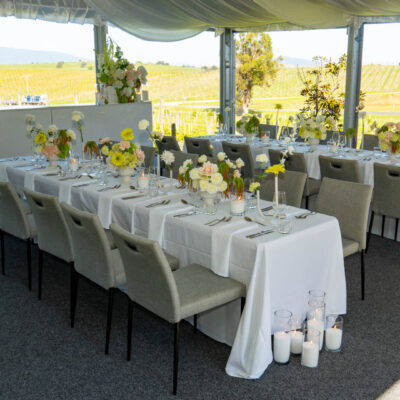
349, 202
269, 128
149, 153
180, 294
386, 197
336, 168
15, 220
93, 259
370, 141
52, 230
168, 143
198, 146
240, 150
180, 158
291, 182
297, 162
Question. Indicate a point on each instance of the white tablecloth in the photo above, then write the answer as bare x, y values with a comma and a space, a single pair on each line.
278, 270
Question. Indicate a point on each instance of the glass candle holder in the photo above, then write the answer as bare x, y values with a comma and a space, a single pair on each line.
316, 297
333, 333
143, 179
237, 205
282, 338
296, 336
316, 320
310, 348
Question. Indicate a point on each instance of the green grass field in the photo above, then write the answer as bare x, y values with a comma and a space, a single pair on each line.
187, 96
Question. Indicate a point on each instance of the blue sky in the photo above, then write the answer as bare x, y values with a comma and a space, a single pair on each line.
200, 50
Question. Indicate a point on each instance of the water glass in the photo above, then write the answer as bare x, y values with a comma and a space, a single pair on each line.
284, 224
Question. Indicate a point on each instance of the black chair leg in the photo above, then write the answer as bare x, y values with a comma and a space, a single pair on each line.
242, 304
307, 197
371, 222
109, 317
383, 225
3, 265
130, 312
176, 357
74, 293
195, 323
40, 274
396, 229
29, 262
362, 274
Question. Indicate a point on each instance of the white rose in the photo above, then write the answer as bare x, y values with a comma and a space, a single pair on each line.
262, 158
77, 116
186, 163
230, 164
223, 186
239, 163
143, 124
202, 159
39, 127
52, 129
182, 170
167, 157
203, 185
120, 74
216, 179
130, 83
118, 84
211, 188
71, 134
194, 174
221, 156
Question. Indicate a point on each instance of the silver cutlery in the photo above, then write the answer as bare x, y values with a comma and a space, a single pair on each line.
305, 215
67, 178
109, 188
188, 214
160, 203
135, 196
187, 203
84, 184
261, 233
213, 220
267, 208
225, 219
51, 174
248, 219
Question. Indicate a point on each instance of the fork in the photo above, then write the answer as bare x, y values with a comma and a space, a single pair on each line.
109, 188
225, 219
159, 203
304, 216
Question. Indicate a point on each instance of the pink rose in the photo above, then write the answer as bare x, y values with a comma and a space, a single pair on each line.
124, 144
140, 155
236, 173
208, 169
105, 140
50, 150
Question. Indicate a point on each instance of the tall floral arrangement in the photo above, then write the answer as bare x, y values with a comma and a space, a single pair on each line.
249, 124
389, 136
124, 154
311, 127
77, 123
117, 72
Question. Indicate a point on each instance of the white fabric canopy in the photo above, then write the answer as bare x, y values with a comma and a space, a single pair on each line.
169, 20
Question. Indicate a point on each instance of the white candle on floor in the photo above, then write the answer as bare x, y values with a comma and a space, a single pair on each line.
310, 355
296, 342
281, 347
318, 325
333, 338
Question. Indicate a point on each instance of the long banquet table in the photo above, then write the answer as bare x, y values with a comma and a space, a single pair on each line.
365, 158
278, 270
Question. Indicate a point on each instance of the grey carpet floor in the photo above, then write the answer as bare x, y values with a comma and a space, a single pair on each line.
42, 358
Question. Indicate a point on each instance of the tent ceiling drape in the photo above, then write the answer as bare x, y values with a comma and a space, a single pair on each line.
169, 20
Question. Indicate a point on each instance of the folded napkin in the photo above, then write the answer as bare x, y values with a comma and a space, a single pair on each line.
104, 208
221, 240
157, 217
29, 178
64, 188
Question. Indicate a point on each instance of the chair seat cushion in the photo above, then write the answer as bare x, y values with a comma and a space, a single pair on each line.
200, 289
173, 261
119, 271
312, 186
349, 247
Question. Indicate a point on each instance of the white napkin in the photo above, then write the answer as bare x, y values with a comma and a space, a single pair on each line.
221, 240
29, 178
157, 217
104, 208
64, 188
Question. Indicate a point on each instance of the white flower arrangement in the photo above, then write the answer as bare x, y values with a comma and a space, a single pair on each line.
208, 179
311, 127
168, 158
77, 116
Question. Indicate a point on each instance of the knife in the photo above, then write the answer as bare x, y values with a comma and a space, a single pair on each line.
264, 232
132, 197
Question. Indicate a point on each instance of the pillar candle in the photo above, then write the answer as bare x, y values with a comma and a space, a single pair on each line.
310, 354
143, 182
319, 325
237, 206
333, 338
281, 347
296, 342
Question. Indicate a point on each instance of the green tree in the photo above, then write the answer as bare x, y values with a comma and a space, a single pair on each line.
255, 65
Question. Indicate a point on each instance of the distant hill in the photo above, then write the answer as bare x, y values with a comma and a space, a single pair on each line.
26, 56
296, 62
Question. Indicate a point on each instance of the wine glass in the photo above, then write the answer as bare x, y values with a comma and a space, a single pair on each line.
342, 143
280, 207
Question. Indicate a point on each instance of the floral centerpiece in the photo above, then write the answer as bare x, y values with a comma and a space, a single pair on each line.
311, 128
119, 77
124, 155
389, 138
249, 125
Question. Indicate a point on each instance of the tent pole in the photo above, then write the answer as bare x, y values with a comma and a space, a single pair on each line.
100, 37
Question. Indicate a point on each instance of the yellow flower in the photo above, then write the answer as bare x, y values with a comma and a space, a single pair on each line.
254, 186
116, 159
275, 169
127, 134
40, 138
105, 150
115, 147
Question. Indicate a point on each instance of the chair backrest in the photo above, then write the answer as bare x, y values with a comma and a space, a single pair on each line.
91, 248
167, 143
52, 230
345, 170
370, 141
198, 146
294, 162
149, 279
349, 202
291, 182
269, 128
240, 150
13, 219
180, 158
386, 190
149, 153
